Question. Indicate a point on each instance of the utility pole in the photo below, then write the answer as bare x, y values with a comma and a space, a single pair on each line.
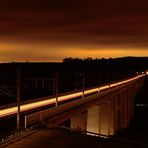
83, 83
18, 96
75, 81
56, 86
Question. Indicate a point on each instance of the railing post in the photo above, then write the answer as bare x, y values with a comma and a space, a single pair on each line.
25, 122
56, 79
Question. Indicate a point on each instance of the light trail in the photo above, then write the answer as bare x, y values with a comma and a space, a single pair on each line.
70, 96
104, 87
90, 91
30, 106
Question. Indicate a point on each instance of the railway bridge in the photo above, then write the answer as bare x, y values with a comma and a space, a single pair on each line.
103, 110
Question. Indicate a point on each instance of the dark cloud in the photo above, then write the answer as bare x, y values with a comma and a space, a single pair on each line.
75, 22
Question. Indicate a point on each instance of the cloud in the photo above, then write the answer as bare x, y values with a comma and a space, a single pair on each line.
66, 25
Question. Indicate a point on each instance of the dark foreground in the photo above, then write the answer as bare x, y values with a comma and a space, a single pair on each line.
64, 139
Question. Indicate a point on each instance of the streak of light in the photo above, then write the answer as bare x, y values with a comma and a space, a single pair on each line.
29, 106
90, 91
70, 96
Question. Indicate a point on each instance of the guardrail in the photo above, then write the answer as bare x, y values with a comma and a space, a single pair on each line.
18, 134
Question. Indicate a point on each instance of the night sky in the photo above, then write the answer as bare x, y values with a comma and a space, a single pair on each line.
50, 30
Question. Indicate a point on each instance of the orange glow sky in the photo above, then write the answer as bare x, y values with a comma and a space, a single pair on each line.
50, 30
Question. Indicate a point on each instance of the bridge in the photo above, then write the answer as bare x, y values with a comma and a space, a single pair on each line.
102, 110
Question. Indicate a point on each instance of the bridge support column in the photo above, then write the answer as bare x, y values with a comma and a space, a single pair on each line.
112, 117
104, 118
93, 119
79, 122
133, 92
124, 108
101, 118
117, 113
130, 104
127, 107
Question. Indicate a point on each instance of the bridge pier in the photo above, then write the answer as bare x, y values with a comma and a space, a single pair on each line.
78, 122
108, 117
124, 110
117, 101
104, 118
98, 119
111, 117
93, 119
